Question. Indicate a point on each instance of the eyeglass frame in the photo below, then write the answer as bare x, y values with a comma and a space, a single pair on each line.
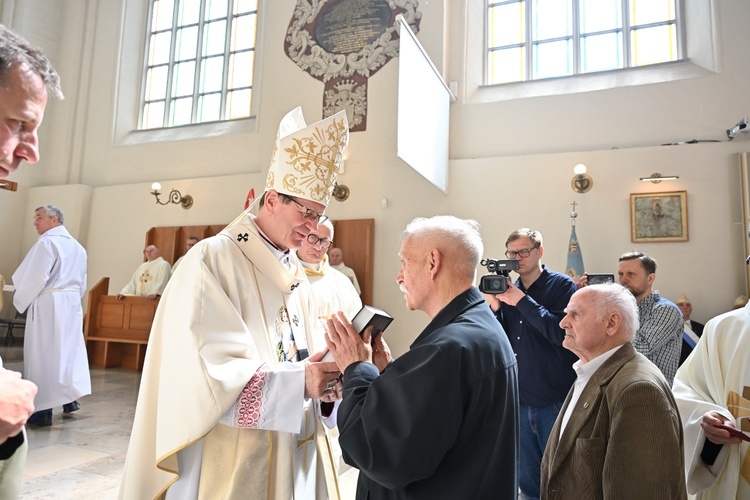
520, 253
319, 241
309, 213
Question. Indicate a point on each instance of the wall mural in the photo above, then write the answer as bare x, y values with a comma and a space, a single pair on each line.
344, 42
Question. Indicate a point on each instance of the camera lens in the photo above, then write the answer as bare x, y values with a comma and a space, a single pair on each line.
493, 284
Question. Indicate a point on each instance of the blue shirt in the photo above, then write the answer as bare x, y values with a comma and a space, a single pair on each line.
545, 367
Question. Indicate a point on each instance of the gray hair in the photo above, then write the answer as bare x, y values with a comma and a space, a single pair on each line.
14, 50
327, 223
52, 211
460, 237
615, 298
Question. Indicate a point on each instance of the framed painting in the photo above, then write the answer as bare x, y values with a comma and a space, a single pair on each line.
658, 217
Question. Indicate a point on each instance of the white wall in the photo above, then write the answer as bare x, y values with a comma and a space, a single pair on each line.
511, 161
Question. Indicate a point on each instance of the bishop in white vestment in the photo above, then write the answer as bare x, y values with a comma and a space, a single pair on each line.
229, 405
715, 378
50, 283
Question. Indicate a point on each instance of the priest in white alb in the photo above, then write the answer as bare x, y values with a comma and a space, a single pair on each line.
336, 256
333, 290
229, 404
149, 278
50, 283
712, 388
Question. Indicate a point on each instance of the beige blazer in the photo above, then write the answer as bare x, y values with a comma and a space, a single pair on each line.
624, 439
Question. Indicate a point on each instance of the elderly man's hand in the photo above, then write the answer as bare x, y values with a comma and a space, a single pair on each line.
381, 353
344, 342
16, 402
320, 376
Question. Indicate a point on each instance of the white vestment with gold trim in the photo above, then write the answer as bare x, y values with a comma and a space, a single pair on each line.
333, 290
218, 405
716, 377
151, 277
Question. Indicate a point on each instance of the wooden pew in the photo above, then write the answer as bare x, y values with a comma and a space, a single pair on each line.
116, 331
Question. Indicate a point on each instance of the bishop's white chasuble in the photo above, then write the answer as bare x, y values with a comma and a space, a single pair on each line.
222, 402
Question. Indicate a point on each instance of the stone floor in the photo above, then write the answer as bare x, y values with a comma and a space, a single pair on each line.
81, 455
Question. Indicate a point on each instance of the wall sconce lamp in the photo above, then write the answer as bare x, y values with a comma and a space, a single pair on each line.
174, 197
340, 192
656, 178
581, 183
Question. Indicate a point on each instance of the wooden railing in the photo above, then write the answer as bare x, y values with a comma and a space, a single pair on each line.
116, 331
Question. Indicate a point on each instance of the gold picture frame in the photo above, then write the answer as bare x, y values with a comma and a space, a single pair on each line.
658, 217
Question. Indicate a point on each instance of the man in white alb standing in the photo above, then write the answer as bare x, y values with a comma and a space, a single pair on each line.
50, 283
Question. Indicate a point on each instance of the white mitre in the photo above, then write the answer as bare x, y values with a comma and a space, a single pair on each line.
307, 158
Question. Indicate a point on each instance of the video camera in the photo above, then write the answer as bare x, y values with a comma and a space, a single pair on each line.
498, 283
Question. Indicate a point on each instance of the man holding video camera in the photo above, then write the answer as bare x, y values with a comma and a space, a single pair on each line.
530, 311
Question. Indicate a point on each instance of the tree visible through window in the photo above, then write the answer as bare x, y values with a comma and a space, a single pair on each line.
200, 58
537, 39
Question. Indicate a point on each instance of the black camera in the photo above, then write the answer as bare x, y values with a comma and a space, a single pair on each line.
498, 283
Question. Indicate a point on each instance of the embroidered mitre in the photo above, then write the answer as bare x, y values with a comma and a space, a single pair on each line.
307, 158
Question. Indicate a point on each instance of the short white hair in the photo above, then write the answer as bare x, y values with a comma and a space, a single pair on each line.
460, 238
327, 223
615, 298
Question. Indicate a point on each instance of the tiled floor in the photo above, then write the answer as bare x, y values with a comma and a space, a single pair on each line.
81, 455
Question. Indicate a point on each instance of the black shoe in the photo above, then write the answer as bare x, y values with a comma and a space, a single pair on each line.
41, 418
71, 407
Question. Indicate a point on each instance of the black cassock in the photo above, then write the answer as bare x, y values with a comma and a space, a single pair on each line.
441, 421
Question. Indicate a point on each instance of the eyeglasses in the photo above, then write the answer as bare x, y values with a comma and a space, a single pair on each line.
315, 240
308, 213
521, 253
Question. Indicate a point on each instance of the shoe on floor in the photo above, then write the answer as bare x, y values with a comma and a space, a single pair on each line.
41, 418
71, 407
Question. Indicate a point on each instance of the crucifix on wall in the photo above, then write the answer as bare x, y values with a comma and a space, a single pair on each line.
344, 42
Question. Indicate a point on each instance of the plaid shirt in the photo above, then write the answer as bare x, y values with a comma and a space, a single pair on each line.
659, 337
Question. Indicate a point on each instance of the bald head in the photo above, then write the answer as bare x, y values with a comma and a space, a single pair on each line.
152, 252
457, 239
439, 257
599, 318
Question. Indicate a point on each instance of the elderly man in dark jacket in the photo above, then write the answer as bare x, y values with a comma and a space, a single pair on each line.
441, 421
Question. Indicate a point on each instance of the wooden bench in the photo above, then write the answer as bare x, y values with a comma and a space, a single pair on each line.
116, 331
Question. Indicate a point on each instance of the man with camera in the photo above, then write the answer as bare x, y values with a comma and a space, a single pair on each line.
530, 311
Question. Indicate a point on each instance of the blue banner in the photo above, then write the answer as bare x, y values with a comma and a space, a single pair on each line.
574, 268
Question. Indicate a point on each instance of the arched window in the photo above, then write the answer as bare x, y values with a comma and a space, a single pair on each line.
540, 39
199, 62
